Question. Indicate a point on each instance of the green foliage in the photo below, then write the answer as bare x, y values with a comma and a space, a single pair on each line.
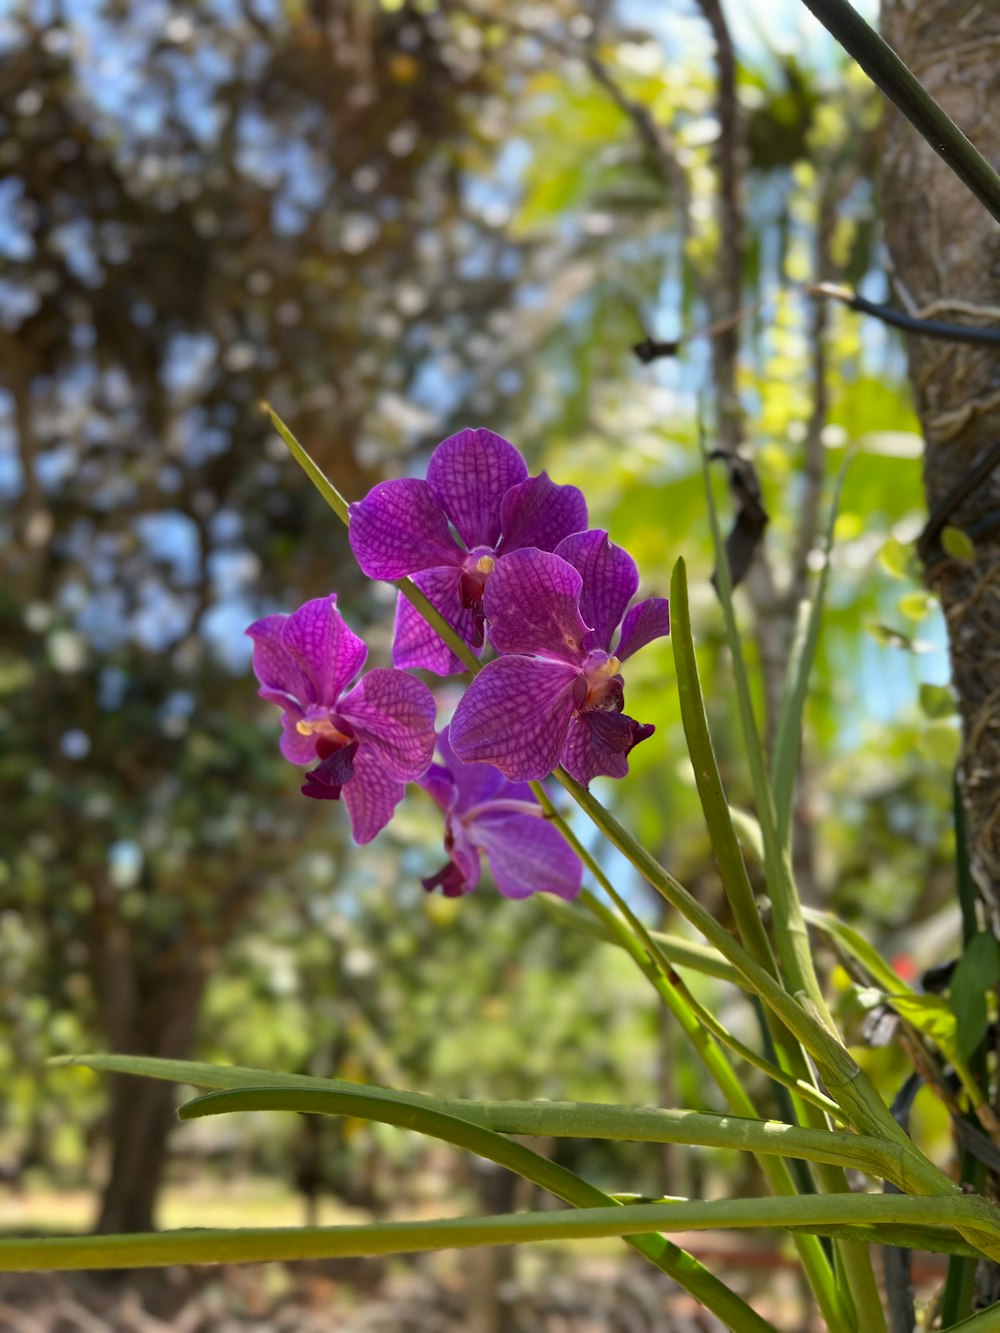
976, 975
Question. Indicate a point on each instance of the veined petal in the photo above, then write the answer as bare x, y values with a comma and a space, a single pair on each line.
398, 528
515, 715
472, 783
415, 645
539, 513
527, 855
610, 580
328, 652
393, 714
531, 603
278, 670
296, 748
371, 796
598, 744
643, 623
469, 474
438, 784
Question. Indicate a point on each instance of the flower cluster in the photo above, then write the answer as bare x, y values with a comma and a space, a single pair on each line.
508, 561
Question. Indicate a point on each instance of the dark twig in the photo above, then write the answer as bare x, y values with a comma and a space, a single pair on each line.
925, 328
652, 349
892, 78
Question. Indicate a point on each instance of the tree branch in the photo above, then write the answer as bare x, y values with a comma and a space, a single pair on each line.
894, 80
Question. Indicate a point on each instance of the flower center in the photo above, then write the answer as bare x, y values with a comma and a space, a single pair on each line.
477, 568
599, 688
322, 728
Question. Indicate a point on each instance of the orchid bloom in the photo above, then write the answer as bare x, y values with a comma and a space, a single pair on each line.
556, 694
477, 485
485, 815
370, 740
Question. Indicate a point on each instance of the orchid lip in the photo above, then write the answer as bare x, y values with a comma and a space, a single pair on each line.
320, 727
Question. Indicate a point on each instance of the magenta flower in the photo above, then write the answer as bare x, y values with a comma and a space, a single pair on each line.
369, 741
556, 693
477, 484
487, 816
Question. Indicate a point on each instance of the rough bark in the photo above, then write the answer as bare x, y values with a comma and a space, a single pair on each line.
945, 253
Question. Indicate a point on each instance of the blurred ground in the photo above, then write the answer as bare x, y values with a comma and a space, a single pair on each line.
594, 1296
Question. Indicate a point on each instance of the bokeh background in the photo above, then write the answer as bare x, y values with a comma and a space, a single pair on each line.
391, 220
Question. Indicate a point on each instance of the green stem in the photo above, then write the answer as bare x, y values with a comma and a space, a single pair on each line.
679, 952
811, 1254
817, 1212
722, 1034
841, 1073
797, 958
541, 1119
342, 509
791, 937
788, 733
486, 1143
895, 81
728, 854
986, 1321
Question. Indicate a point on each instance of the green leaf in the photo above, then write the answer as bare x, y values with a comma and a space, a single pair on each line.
857, 947
814, 1213
894, 558
937, 701
978, 971
930, 1014
915, 605
957, 544
940, 741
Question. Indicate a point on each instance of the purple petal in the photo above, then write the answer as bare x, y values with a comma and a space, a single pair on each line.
597, 745
460, 874
296, 748
450, 880
331, 775
643, 623
415, 645
514, 715
469, 474
527, 855
472, 783
278, 671
531, 604
539, 513
398, 528
393, 714
371, 796
319, 790
610, 580
325, 649
439, 785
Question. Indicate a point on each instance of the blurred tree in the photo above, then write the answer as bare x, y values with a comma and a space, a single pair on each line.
199, 209
389, 219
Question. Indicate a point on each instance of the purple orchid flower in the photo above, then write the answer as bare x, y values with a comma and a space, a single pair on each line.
556, 694
371, 740
478, 484
487, 816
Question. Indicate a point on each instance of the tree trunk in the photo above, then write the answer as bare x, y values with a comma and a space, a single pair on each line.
945, 251
161, 1020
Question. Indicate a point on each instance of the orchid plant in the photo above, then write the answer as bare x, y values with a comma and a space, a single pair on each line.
504, 587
